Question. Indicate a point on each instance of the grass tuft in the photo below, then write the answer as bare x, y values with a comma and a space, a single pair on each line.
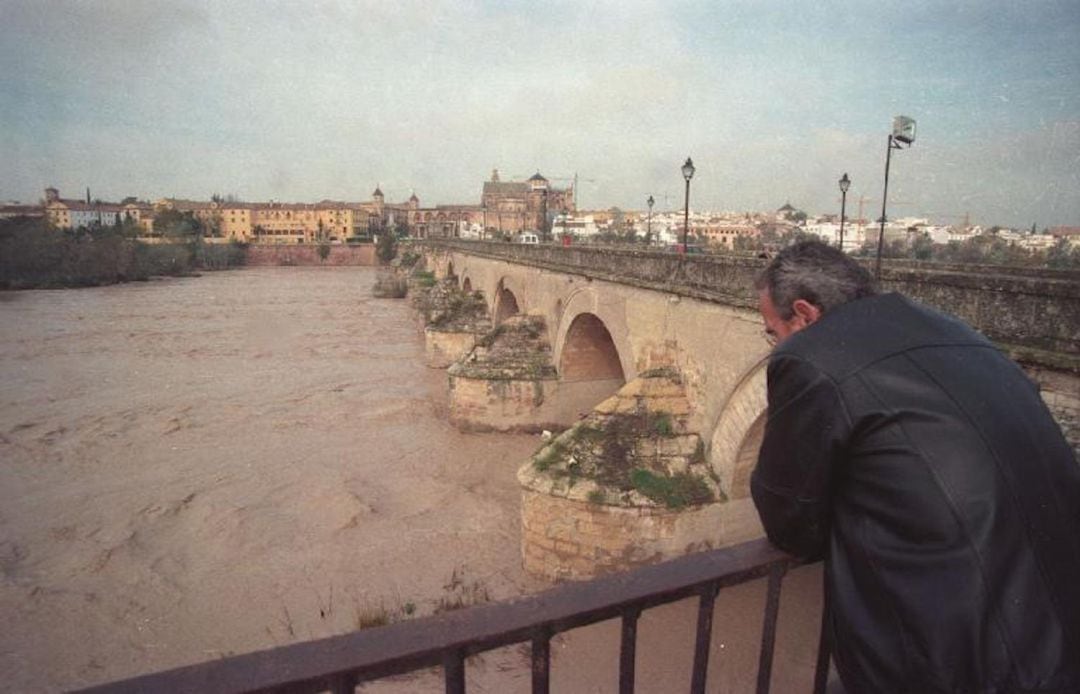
662, 424
371, 616
424, 278
549, 456
674, 491
461, 593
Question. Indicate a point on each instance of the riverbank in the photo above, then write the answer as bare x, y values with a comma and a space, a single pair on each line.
34, 255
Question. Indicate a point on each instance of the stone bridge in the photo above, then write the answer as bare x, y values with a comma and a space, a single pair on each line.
611, 316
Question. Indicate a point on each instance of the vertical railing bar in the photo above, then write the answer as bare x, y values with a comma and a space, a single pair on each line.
768, 629
821, 671
704, 637
343, 683
541, 661
454, 672
628, 650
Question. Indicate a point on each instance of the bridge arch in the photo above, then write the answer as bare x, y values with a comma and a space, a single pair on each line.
506, 303
736, 438
588, 352
611, 317
592, 353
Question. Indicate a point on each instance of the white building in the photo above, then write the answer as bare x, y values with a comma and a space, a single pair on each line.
1038, 241
939, 235
829, 232
470, 230
578, 226
72, 214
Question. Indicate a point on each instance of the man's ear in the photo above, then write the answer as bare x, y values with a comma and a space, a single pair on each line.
806, 311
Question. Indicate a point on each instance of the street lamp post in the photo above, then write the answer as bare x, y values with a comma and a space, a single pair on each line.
650, 202
903, 133
688, 173
845, 183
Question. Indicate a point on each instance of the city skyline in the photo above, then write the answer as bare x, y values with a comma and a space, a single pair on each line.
303, 102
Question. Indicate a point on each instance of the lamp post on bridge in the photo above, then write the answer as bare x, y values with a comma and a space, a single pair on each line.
903, 133
650, 202
688, 173
845, 183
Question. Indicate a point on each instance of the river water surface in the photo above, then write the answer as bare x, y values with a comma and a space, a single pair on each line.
196, 467
202, 466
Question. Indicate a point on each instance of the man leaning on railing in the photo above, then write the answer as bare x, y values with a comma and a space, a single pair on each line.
904, 448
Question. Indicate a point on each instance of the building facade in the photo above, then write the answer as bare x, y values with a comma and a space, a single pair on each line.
506, 208
281, 222
510, 207
72, 214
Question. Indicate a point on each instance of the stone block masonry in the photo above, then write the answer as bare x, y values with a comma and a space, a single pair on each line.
442, 348
261, 255
586, 509
569, 539
485, 404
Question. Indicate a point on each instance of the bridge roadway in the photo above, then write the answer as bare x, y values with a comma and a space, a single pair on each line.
612, 314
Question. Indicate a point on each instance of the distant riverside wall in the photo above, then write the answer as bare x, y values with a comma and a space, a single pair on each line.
308, 254
1033, 313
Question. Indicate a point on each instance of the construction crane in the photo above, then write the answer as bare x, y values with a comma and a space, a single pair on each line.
863, 200
574, 182
573, 179
667, 199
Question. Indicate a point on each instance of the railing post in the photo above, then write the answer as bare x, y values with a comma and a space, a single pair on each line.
704, 637
541, 661
442, 641
343, 683
454, 672
768, 629
821, 671
628, 650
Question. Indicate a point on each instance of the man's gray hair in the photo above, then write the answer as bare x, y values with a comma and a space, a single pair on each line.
814, 272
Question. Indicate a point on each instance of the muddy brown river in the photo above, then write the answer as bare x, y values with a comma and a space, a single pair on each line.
197, 467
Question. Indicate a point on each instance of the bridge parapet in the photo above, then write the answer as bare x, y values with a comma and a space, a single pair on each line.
1035, 313
723, 279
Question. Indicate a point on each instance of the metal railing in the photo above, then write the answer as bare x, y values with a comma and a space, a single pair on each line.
340, 663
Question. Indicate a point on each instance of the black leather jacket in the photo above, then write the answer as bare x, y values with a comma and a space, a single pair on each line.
905, 448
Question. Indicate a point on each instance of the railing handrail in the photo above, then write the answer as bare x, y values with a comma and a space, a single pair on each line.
337, 663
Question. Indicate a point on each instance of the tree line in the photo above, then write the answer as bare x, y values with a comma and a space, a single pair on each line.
35, 254
984, 249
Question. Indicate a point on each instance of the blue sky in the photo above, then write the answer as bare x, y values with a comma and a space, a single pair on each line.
773, 100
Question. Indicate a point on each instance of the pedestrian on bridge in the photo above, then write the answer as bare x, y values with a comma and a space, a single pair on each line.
921, 463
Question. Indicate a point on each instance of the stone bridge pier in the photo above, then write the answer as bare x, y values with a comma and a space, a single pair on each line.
604, 334
599, 321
